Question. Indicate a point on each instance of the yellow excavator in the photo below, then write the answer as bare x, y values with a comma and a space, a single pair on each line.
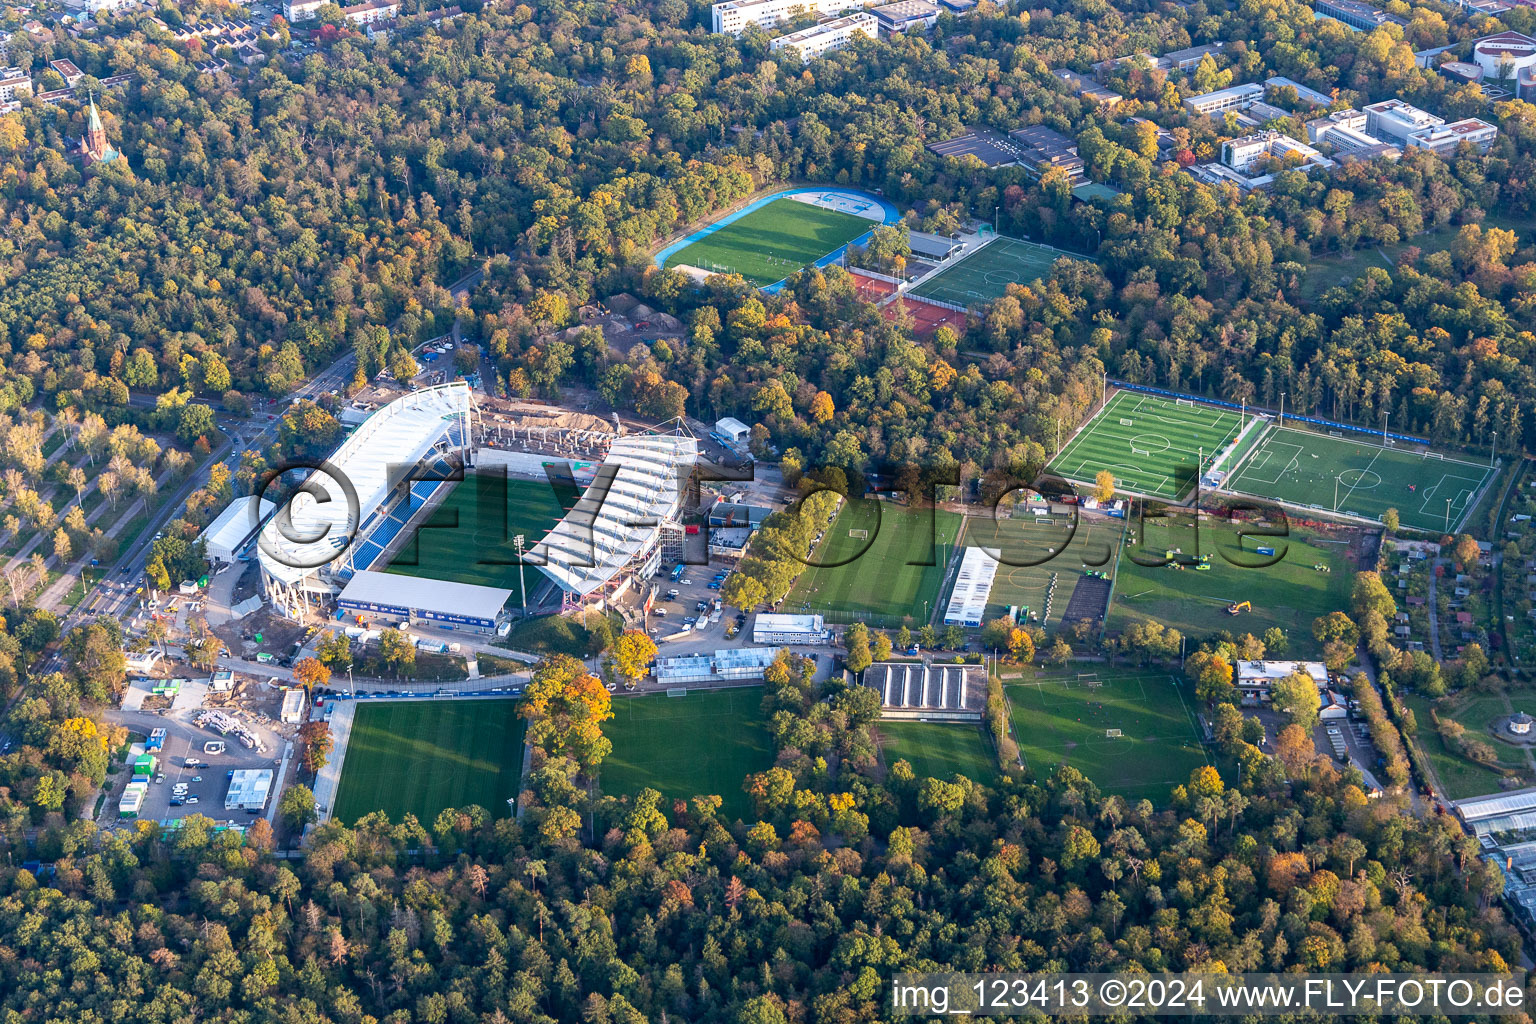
1234, 609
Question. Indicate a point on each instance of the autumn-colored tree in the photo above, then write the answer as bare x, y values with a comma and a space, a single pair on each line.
633, 653
565, 707
311, 672
317, 743
1104, 486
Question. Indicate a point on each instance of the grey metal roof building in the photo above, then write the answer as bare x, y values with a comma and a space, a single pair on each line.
411, 597
248, 789
1499, 812
915, 689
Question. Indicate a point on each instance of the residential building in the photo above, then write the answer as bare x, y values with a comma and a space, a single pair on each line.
14, 83
1042, 148
827, 36
1394, 120
301, 10
906, 16
372, 11
1443, 140
736, 16
67, 71
1214, 104
1356, 15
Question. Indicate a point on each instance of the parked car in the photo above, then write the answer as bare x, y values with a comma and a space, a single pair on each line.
191, 799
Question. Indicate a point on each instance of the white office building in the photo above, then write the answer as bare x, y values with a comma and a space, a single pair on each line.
790, 629
736, 16
810, 43
1214, 104
1396, 121
248, 790
1443, 140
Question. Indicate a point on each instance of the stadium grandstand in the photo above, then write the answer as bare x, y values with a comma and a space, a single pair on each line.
626, 522
342, 519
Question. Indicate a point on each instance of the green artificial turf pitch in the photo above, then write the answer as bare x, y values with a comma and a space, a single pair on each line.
1359, 477
773, 241
1288, 594
703, 744
468, 538
1060, 718
1151, 444
985, 274
871, 578
423, 756
938, 749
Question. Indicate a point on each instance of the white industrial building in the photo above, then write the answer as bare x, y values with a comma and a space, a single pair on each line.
915, 689
312, 545
1238, 97
770, 628
437, 602
623, 524
810, 43
972, 590
248, 790
736, 16
234, 527
727, 665
1241, 160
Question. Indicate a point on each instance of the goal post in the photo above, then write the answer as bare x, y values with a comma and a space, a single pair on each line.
1189, 402
1113, 734
677, 691
1127, 422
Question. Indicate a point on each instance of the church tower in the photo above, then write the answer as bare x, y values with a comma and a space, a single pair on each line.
94, 148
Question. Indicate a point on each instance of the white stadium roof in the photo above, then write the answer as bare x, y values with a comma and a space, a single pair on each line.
599, 537
235, 525
416, 594
393, 438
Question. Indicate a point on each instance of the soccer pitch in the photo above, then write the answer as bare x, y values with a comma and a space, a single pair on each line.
771, 243
1151, 444
985, 274
703, 744
1067, 718
1360, 478
1288, 594
468, 538
423, 756
938, 750
879, 586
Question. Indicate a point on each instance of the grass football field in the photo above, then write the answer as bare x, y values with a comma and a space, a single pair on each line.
1151, 444
880, 585
774, 241
1289, 594
423, 756
703, 744
1060, 718
468, 538
938, 750
985, 274
1359, 477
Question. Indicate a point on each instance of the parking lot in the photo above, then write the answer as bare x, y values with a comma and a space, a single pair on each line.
206, 782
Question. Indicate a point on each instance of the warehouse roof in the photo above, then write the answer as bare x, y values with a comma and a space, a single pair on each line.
412, 593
